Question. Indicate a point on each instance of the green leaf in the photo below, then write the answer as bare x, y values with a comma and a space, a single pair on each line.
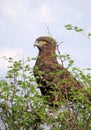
68, 27
89, 34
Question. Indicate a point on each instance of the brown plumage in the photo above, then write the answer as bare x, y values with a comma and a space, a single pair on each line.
54, 80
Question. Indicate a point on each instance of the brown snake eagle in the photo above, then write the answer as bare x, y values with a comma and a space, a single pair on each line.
54, 80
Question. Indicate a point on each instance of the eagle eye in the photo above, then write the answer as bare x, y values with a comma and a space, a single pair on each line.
44, 42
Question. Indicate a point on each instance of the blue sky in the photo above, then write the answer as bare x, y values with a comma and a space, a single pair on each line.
22, 21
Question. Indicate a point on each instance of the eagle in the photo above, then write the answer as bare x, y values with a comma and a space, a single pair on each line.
54, 80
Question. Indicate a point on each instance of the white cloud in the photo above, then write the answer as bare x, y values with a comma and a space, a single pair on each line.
44, 13
10, 52
26, 13
6, 53
15, 11
2, 22
30, 13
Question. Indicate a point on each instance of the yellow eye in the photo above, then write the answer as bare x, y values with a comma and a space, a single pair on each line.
44, 42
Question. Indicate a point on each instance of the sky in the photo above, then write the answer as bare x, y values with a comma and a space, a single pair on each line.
22, 21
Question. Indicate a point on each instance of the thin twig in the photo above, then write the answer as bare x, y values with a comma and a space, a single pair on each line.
57, 46
48, 29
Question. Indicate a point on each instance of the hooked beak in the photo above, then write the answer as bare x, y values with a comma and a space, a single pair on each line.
36, 44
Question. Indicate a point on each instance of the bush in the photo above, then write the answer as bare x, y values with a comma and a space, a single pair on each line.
22, 107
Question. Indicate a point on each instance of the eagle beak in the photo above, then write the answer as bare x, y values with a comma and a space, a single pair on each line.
36, 44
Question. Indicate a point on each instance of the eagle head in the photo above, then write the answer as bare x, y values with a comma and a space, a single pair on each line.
43, 42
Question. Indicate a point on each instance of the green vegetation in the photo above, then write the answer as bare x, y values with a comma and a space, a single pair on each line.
77, 29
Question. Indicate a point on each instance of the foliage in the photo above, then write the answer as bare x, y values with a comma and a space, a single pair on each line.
77, 29
22, 107
19, 100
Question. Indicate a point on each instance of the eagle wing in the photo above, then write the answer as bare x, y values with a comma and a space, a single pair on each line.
52, 77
